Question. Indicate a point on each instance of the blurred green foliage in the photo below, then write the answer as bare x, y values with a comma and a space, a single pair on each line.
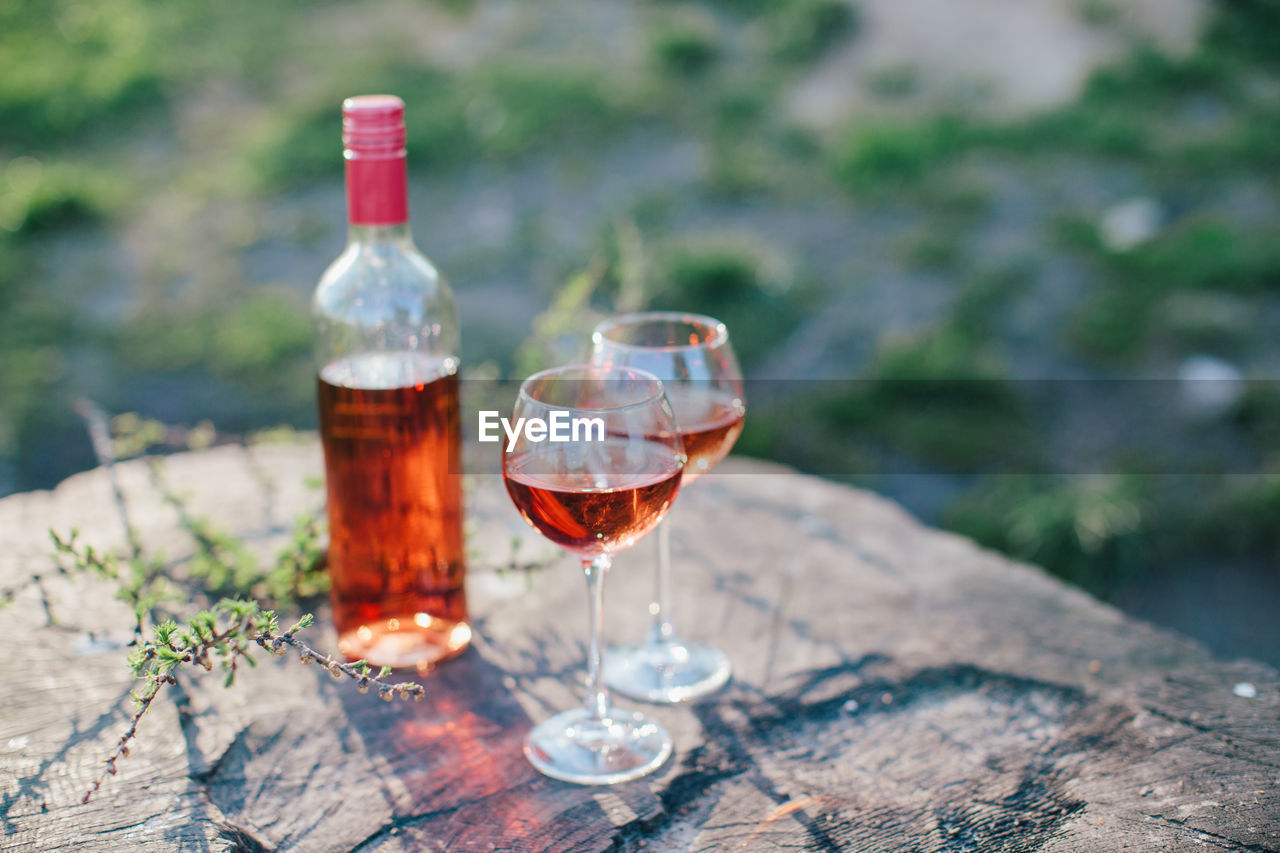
1138, 109
1248, 26
261, 340
498, 112
684, 43
1099, 13
39, 197
756, 296
895, 81
932, 248
803, 30
65, 66
1100, 529
1149, 290
944, 394
747, 153
99, 113
1241, 517
1191, 124
895, 154
1091, 530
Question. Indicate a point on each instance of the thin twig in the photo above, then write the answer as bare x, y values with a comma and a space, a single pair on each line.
100, 437
201, 643
122, 746
360, 674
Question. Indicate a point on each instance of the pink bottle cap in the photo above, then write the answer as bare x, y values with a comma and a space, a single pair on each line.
373, 125
373, 136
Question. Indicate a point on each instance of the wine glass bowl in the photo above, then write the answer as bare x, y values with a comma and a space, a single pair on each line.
606, 484
692, 356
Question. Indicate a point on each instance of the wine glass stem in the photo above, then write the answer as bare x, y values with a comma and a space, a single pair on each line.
597, 699
661, 630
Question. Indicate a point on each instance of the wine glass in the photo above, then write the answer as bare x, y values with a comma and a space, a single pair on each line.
691, 354
607, 484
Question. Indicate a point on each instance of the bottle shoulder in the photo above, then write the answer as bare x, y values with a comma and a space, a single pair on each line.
369, 284
380, 371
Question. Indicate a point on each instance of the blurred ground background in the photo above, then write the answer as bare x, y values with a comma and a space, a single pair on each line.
1037, 197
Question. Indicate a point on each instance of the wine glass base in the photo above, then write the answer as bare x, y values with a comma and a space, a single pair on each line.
670, 672
573, 747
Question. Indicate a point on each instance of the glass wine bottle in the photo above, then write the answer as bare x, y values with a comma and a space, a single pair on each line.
387, 341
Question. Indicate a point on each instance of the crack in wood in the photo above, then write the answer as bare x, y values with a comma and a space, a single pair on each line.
1234, 844
240, 839
795, 726
1217, 737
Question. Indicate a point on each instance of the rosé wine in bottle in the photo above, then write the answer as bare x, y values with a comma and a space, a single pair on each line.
386, 350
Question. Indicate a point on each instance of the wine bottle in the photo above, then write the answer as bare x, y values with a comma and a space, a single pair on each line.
386, 333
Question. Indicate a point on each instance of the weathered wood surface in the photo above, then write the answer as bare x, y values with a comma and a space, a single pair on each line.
896, 688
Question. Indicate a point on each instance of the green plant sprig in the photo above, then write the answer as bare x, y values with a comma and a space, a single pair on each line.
222, 565
222, 637
224, 634
141, 585
299, 572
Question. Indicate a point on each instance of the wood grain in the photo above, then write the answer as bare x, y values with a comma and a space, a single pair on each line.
895, 688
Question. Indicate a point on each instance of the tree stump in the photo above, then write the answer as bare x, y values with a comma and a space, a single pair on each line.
895, 688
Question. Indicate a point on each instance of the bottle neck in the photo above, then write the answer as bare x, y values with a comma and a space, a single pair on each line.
377, 190
380, 236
